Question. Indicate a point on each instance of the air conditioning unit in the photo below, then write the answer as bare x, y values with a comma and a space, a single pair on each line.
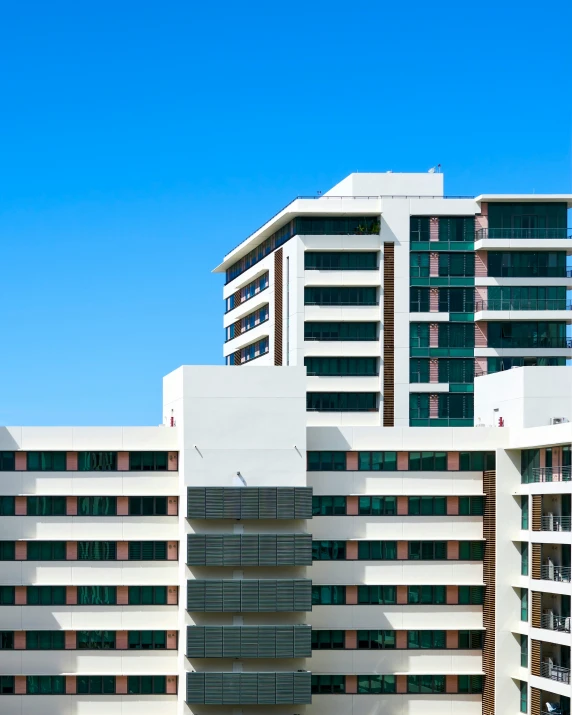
558, 420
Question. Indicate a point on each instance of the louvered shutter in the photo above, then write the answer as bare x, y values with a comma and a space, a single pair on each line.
213, 641
231, 547
304, 550
285, 503
214, 503
195, 595
249, 550
302, 595
232, 504
248, 688
267, 503
284, 688
302, 688
213, 688
231, 596
303, 503
196, 550
231, 688
196, 503
249, 503
230, 641
250, 642
267, 549
196, 688
195, 642
284, 642
268, 596
302, 641
266, 688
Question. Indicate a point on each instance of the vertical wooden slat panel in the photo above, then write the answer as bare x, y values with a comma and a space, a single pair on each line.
536, 511
278, 317
536, 556
534, 701
535, 657
536, 609
388, 335
489, 605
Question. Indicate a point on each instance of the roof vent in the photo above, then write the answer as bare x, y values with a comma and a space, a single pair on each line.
558, 420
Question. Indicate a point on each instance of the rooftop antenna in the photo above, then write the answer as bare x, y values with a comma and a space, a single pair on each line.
435, 169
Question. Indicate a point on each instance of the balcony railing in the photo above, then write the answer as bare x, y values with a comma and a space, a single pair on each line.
338, 303
549, 572
552, 622
532, 272
524, 304
554, 522
531, 233
555, 672
551, 474
542, 343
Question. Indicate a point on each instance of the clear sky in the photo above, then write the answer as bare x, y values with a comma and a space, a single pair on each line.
140, 141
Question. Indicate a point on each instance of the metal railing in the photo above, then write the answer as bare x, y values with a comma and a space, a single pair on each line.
531, 233
553, 522
524, 304
532, 272
339, 303
549, 572
551, 474
552, 622
554, 672
539, 344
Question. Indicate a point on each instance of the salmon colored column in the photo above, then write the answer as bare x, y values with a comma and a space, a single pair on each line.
350, 640
173, 462
21, 551
19, 640
433, 371
401, 640
434, 229
71, 506
481, 264
433, 300
172, 551
20, 685
452, 639
21, 461
351, 461
351, 595
482, 219
402, 506
71, 461
71, 595
450, 683
452, 550
453, 461
122, 506
351, 684
433, 335
21, 506
122, 553
20, 596
452, 506
481, 335
352, 505
402, 461
351, 550
172, 595
71, 551
401, 595
402, 551
121, 684
481, 365
433, 406
452, 595
121, 640
70, 640
171, 640
122, 461
172, 506
400, 683
434, 265
122, 595
71, 684
172, 685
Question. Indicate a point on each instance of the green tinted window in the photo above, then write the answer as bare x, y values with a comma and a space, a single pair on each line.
46, 506
46, 550
328, 595
147, 595
45, 684
45, 640
7, 506
147, 550
46, 595
46, 461
340, 260
148, 461
97, 461
97, 595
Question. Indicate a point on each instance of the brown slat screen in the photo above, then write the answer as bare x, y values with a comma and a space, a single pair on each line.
388, 335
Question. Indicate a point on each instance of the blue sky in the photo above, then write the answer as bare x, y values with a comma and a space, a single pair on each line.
140, 141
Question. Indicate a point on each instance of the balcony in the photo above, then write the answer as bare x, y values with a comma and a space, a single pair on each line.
249, 688
550, 572
523, 304
249, 502
554, 522
552, 622
249, 595
533, 234
249, 641
249, 550
551, 474
551, 670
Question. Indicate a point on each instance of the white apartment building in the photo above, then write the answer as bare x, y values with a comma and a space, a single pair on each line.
395, 296
257, 563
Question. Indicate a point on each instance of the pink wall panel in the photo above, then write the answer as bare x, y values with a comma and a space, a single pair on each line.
19, 640
20, 685
481, 263
351, 684
71, 595
351, 595
171, 684
452, 506
121, 684
401, 640
401, 595
434, 300
433, 406
452, 594
71, 461
171, 640
122, 595
351, 461
71, 641
173, 463
352, 505
21, 506
122, 461
403, 461
450, 683
433, 229
172, 595
434, 335
452, 639
402, 551
172, 506
71, 684
71, 551
433, 371
481, 335
122, 506
452, 550
434, 265
71, 506
21, 550
401, 683
351, 550
21, 462
20, 596
402, 506
452, 461
350, 641
121, 640
172, 550
122, 551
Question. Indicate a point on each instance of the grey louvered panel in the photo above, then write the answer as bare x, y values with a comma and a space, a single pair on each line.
232, 547
267, 599
231, 641
284, 642
303, 550
232, 504
196, 549
249, 502
249, 642
195, 642
285, 507
285, 550
196, 595
302, 589
250, 596
266, 503
214, 502
284, 688
250, 550
302, 641
284, 595
302, 688
249, 689
266, 642
213, 688
216, 549
213, 641
196, 688
196, 503
267, 688
231, 688
303, 503
231, 596
268, 545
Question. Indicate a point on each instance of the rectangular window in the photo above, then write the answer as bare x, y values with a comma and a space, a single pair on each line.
471, 595
456, 371
7, 506
146, 684
97, 461
96, 550
46, 506
471, 506
377, 461
476, 461
430, 595
524, 512
377, 595
147, 506
7, 595
419, 300
419, 229
426, 640
523, 651
341, 331
452, 406
97, 595
377, 550
524, 604
6, 640
328, 506
427, 461
376, 640
457, 228
418, 406
46, 550
8, 550
248, 292
428, 550
470, 683
471, 550
419, 265
326, 461
147, 640
524, 558
147, 551
456, 335
6, 684
457, 264
471, 640
45, 640
377, 506
527, 264
148, 461
419, 335
328, 595
341, 401
341, 366
96, 640
97, 506
529, 463
425, 683
340, 295
419, 370
45, 684
147, 595
340, 260
328, 640
527, 334
7, 461
96, 684
376, 684
328, 684
523, 696
46, 595
46, 461
328, 550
